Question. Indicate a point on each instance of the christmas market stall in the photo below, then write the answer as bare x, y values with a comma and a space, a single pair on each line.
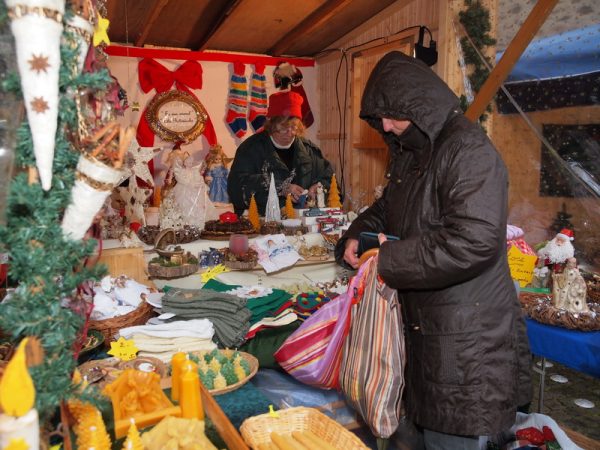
311, 225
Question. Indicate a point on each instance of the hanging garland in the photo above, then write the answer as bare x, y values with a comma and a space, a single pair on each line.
476, 20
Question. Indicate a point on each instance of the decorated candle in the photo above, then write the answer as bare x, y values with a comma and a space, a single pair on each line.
17, 395
176, 364
190, 401
133, 440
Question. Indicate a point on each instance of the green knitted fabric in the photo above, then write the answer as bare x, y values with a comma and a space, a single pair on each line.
261, 307
238, 405
228, 313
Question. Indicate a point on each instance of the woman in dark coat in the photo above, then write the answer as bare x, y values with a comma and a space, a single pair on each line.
446, 199
296, 163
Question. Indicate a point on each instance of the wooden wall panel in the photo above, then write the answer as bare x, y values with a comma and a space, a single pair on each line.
362, 168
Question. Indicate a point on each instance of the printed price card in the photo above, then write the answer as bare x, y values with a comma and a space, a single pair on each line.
123, 349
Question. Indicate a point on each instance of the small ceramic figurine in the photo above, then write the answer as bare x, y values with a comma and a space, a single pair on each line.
216, 175
320, 196
569, 289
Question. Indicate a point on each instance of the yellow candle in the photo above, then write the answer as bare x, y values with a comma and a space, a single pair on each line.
190, 402
176, 364
17, 393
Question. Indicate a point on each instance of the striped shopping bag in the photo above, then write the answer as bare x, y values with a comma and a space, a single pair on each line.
312, 354
373, 357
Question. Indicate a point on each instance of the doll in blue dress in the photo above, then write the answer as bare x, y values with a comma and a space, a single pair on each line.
216, 175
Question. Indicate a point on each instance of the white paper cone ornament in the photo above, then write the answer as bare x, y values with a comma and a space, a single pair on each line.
95, 181
272, 211
37, 28
83, 31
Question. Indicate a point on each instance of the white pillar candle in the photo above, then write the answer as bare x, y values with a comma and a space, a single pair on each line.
25, 427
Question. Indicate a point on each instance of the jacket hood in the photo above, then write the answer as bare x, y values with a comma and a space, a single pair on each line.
404, 88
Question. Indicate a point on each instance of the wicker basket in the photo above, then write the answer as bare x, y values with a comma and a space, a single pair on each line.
257, 430
252, 362
110, 327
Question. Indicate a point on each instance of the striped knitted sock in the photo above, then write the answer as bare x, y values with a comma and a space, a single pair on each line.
238, 100
258, 98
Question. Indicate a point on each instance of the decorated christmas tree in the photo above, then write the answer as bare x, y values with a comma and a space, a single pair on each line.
45, 266
562, 220
333, 199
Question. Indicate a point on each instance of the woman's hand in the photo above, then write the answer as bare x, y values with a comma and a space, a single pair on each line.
312, 191
350, 254
296, 191
381, 238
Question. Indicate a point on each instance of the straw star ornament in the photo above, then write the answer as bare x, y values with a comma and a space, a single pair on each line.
134, 198
137, 161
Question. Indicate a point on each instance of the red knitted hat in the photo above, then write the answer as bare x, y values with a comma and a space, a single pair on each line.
286, 104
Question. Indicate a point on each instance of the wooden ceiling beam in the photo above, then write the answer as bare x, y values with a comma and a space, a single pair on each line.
313, 21
153, 16
513, 52
218, 22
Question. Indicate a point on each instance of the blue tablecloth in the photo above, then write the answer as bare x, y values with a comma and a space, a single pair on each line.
579, 350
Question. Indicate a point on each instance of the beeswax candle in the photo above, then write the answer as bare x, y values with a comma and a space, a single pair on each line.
190, 401
177, 362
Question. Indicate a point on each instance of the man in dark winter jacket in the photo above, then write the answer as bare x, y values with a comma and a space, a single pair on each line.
297, 164
446, 199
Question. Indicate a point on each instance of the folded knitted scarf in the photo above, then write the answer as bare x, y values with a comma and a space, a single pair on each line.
228, 313
201, 328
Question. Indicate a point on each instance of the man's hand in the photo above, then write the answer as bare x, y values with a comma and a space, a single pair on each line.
350, 254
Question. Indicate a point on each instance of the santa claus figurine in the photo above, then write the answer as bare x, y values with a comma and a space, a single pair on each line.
554, 255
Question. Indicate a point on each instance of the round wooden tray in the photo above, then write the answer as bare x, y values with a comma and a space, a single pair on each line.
240, 265
104, 371
158, 271
223, 237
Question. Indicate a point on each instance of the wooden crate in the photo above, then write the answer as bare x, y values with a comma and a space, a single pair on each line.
126, 261
224, 427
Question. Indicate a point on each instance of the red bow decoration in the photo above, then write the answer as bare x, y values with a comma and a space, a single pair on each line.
153, 75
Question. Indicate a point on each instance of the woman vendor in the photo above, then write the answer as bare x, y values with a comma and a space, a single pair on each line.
297, 164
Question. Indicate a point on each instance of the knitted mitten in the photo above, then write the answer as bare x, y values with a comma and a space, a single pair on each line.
238, 100
258, 98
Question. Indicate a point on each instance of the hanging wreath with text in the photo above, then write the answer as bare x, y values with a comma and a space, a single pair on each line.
176, 116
